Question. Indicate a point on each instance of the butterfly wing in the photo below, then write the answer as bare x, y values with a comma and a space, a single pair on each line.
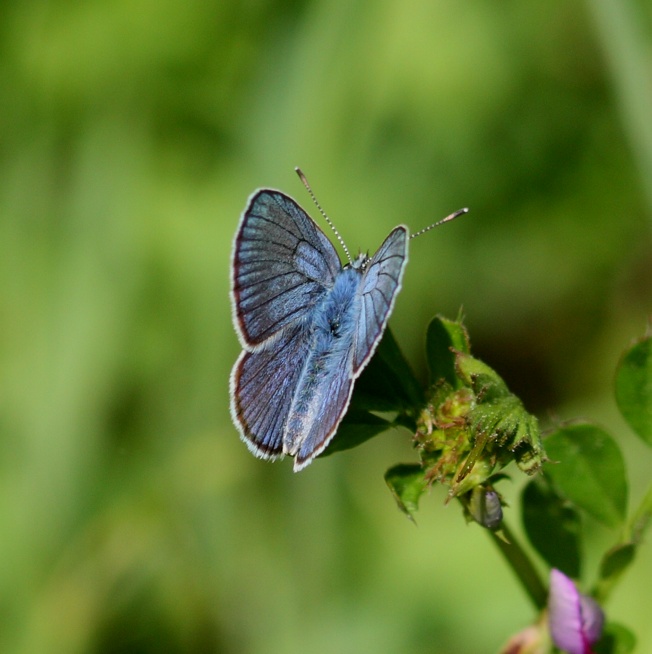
380, 285
282, 265
338, 390
325, 388
263, 384
322, 395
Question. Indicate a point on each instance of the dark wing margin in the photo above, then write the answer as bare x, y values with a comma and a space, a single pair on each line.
282, 263
263, 384
380, 285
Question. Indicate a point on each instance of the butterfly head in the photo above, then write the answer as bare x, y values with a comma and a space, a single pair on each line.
360, 262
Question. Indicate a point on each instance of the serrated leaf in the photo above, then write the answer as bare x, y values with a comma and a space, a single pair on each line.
442, 338
587, 468
406, 481
512, 432
356, 428
634, 388
553, 527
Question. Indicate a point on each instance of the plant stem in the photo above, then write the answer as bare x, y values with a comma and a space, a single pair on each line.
624, 551
521, 564
641, 519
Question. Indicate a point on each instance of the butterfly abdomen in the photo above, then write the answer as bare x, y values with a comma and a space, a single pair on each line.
330, 352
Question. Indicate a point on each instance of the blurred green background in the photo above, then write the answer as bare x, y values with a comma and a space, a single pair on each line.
131, 134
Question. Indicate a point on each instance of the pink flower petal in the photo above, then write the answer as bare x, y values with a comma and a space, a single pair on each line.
592, 618
575, 620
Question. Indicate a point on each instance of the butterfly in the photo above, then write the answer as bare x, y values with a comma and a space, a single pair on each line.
308, 325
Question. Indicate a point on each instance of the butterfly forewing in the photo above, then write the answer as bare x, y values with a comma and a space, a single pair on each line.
282, 265
380, 284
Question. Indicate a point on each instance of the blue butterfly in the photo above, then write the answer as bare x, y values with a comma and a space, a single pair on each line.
308, 325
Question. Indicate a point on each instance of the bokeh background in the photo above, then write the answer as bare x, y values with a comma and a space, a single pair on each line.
132, 519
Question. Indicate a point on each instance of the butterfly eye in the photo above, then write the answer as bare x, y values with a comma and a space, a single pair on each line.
361, 263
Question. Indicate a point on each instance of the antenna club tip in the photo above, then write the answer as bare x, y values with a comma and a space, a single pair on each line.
458, 213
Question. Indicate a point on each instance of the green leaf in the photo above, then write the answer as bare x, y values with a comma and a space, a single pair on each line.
356, 428
617, 559
480, 377
443, 337
615, 639
588, 469
388, 383
406, 481
553, 527
634, 388
620, 557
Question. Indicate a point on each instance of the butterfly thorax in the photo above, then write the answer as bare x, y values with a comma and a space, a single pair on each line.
337, 310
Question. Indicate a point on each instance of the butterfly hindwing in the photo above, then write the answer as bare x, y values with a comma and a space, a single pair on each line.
282, 265
263, 385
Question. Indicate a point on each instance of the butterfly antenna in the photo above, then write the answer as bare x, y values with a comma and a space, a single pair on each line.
461, 212
302, 177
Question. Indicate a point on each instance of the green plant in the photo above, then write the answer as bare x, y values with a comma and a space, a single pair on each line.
468, 427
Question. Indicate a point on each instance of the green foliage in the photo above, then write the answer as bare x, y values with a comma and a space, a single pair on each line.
553, 527
132, 133
358, 426
472, 425
634, 388
500, 416
587, 468
586, 473
617, 559
387, 383
614, 562
445, 337
467, 425
407, 484
616, 639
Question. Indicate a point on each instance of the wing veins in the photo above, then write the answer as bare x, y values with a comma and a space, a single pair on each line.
267, 301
